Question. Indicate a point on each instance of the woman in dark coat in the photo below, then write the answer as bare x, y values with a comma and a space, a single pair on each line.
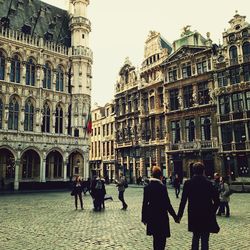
203, 201
155, 208
77, 191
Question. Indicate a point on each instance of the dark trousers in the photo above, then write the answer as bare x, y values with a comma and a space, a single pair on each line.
204, 241
177, 191
121, 198
159, 242
224, 206
80, 198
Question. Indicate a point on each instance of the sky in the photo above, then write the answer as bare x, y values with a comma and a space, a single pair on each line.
120, 29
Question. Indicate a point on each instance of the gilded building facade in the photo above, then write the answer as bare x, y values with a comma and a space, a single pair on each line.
232, 90
190, 108
102, 155
45, 90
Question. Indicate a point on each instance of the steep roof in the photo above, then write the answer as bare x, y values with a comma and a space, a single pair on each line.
36, 18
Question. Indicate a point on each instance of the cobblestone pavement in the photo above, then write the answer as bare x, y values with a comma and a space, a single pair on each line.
48, 221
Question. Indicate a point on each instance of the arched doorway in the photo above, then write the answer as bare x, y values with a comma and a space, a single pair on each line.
30, 165
54, 165
7, 168
75, 164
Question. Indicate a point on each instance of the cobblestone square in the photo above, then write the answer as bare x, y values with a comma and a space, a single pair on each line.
48, 221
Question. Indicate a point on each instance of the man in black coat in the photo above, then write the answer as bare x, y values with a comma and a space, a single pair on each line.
155, 208
203, 201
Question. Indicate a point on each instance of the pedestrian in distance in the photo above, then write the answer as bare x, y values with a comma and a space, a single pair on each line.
177, 185
98, 192
203, 202
155, 208
224, 198
77, 191
122, 184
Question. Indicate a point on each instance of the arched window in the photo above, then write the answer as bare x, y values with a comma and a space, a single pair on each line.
206, 128
29, 116
1, 114
59, 79
46, 119
47, 77
59, 120
246, 52
30, 73
2, 65
233, 52
13, 114
15, 69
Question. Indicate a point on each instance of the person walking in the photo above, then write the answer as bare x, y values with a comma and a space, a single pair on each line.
203, 202
77, 191
177, 185
121, 184
155, 208
224, 198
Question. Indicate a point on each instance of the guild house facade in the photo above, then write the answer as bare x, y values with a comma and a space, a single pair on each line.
45, 90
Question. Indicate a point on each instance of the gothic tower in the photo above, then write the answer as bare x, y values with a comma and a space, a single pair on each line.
81, 61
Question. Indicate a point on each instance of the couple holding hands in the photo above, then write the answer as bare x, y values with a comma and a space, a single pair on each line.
203, 201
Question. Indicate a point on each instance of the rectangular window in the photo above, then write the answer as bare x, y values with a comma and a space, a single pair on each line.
107, 148
103, 148
99, 130
174, 102
162, 127
103, 130
107, 126
226, 133
222, 79
237, 102
152, 102
201, 67
203, 93
246, 72
172, 75
176, 131
190, 129
248, 100
95, 149
186, 71
153, 128
188, 96
235, 75
224, 105
99, 148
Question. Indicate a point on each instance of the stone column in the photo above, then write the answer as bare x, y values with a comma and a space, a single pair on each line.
43, 170
86, 165
16, 182
65, 170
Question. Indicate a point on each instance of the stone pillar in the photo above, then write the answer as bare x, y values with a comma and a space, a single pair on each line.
16, 182
65, 170
86, 165
43, 170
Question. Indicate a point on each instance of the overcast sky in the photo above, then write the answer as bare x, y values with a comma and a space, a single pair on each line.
120, 29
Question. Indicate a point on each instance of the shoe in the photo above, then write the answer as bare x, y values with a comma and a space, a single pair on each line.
218, 214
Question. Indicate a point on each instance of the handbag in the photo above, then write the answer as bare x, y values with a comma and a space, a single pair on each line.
72, 193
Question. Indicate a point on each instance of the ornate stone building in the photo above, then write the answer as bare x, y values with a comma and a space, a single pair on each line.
45, 90
102, 156
127, 122
152, 118
190, 106
232, 90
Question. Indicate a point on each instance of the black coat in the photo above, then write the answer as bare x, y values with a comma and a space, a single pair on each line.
203, 201
155, 208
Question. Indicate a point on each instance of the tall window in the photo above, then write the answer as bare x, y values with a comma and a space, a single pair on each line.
235, 75
59, 120
30, 73
29, 116
237, 102
224, 104
145, 103
69, 121
152, 102
15, 69
47, 77
162, 127
206, 128
190, 129
174, 102
46, 119
201, 67
186, 71
222, 79
1, 114
2, 65
226, 133
188, 96
233, 54
176, 131
160, 97
13, 114
59, 79
248, 100
152, 128
246, 72
172, 75
203, 93
246, 52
